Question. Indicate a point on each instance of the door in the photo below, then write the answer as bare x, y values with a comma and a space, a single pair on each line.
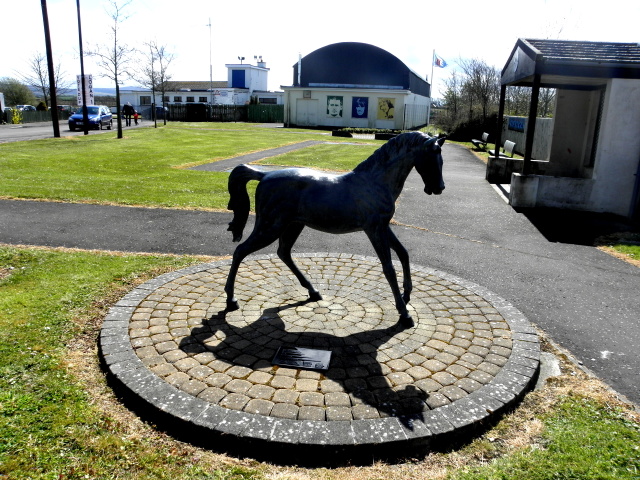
307, 112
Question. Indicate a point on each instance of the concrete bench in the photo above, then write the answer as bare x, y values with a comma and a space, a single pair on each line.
481, 144
508, 150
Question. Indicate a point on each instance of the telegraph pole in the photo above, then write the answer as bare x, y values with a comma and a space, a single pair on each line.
85, 112
52, 76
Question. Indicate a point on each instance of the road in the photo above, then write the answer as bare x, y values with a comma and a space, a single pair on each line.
40, 130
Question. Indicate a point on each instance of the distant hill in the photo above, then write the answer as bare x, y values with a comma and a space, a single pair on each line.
96, 91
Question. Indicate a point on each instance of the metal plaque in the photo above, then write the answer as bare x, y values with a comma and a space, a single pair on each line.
306, 358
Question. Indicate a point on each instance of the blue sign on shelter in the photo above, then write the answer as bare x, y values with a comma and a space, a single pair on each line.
516, 124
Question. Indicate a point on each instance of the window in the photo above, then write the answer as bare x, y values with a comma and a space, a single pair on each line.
177, 99
166, 99
203, 100
190, 99
145, 99
268, 101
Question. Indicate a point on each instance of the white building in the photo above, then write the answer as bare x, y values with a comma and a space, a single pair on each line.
357, 85
244, 81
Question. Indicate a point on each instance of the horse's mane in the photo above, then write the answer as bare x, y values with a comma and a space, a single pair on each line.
392, 149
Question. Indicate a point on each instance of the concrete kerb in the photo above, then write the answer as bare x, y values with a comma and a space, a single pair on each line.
392, 435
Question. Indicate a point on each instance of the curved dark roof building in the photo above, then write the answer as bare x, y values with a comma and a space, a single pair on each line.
357, 65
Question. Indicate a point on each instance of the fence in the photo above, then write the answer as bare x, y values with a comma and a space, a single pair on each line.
33, 117
266, 113
201, 112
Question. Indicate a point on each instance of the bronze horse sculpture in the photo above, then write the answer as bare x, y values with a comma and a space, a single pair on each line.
287, 200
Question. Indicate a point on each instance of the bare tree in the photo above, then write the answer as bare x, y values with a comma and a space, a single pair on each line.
113, 57
37, 77
472, 94
517, 101
452, 102
546, 102
153, 73
482, 84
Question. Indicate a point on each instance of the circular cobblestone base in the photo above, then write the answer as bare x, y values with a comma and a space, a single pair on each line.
172, 345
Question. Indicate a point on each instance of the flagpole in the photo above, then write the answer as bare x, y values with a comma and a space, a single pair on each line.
433, 60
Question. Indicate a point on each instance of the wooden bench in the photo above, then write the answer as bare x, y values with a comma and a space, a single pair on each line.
481, 144
508, 150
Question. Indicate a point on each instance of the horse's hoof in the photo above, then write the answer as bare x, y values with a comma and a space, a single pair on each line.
232, 305
315, 296
407, 321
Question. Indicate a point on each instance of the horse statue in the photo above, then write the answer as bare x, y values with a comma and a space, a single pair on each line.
287, 200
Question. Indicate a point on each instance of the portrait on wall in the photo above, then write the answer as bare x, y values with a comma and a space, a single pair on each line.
334, 106
360, 107
386, 108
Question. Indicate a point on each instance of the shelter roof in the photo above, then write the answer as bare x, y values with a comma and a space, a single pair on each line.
599, 52
568, 62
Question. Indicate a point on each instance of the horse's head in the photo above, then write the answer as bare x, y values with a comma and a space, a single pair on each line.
429, 165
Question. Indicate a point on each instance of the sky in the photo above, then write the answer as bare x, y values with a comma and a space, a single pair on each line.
282, 30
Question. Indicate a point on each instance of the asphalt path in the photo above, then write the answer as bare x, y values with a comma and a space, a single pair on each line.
39, 130
583, 299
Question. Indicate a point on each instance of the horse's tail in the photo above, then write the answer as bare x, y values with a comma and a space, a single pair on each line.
239, 198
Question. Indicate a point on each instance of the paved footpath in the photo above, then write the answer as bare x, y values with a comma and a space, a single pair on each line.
584, 299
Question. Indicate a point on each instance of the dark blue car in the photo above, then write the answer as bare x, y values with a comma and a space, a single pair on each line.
99, 116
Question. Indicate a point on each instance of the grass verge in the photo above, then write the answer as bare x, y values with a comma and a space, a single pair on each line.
58, 418
625, 245
147, 167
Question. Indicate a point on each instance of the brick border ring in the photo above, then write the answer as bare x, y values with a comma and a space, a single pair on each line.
206, 375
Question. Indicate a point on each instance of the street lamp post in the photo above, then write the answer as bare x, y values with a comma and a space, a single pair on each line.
85, 112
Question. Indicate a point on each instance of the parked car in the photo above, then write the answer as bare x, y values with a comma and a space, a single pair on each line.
26, 108
99, 116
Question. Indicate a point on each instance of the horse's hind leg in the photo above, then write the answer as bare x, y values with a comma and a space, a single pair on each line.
259, 238
403, 256
287, 239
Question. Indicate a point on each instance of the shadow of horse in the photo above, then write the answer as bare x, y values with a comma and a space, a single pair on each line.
354, 365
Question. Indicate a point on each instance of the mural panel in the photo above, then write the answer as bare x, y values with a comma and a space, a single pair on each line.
360, 107
386, 108
334, 106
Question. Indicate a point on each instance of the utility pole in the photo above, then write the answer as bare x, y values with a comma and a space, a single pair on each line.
85, 112
52, 76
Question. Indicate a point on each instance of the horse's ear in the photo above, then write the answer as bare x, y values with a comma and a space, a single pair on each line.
441, 139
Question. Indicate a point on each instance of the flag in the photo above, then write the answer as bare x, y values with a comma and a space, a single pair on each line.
439, 61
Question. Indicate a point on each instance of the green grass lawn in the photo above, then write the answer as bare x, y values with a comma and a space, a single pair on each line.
337, 157
59, 419
147, 166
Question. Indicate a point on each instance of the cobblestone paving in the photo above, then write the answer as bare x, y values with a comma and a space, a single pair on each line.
461, 342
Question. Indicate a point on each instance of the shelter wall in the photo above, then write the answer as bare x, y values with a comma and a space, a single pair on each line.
618, 155
573, 133
541, 139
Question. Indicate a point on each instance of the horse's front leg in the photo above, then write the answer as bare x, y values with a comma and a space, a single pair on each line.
403, 256
381, 243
